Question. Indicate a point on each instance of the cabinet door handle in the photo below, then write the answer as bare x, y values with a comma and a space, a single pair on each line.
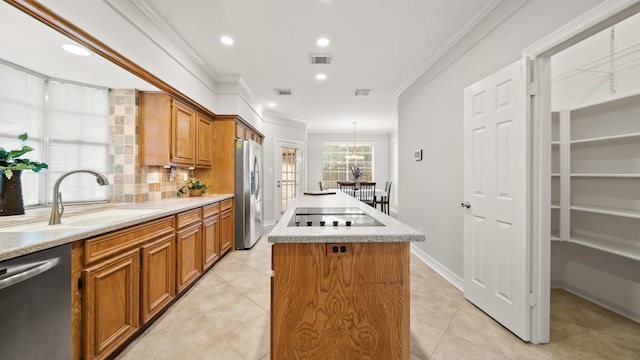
465, 204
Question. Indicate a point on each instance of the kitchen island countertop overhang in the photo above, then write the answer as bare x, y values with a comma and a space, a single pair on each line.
392, 231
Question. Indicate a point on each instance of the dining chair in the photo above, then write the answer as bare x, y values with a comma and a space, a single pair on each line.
320, 183
347, 187
367, 193
384, 200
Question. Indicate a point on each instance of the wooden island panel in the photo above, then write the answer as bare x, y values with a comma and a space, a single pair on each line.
352, 304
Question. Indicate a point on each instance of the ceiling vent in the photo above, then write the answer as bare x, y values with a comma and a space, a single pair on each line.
361, 92
282, 92
320, 59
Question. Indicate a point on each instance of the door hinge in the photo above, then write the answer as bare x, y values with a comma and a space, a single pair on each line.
81, 283
532, 300
533, 88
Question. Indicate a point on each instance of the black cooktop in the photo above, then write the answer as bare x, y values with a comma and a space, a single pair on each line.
338, 216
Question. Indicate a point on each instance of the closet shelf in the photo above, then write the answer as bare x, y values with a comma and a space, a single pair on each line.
629, 136
592, 175
555, 235
555, 205
555, 174
634, 214
628, 250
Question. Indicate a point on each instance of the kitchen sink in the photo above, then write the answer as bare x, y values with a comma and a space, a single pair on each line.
106, 216
81, 221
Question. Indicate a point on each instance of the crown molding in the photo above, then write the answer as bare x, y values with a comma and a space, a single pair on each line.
593, 21
190, 62
494, 14
277, 118
447, 46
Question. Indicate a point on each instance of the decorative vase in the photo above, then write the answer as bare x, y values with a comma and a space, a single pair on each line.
195, 192
11, 195
357, 187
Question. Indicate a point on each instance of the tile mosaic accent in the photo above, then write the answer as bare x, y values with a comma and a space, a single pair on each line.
129, 178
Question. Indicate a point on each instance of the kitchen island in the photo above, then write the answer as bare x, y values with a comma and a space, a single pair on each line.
338, 291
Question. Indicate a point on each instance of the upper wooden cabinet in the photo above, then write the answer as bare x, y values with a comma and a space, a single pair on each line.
204, 144
226, 129
172, 132
183, 134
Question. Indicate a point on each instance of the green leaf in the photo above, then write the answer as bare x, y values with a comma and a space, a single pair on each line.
8, 173
23, 137
17, 153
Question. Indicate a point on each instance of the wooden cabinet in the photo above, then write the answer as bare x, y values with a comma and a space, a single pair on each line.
111, 304
183, 133
188, 248
361, 291
158, 285
596, 175
131, 275
204, 145
210, 235
114, 303
226, 129
171, 132
227, 233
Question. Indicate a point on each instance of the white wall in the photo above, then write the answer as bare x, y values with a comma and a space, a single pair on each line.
431, 118
277, 128
381, 154
606, 279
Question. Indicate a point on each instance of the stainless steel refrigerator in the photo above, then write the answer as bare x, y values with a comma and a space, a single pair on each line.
248, 199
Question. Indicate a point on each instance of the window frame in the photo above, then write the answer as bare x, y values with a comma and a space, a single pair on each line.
365, 148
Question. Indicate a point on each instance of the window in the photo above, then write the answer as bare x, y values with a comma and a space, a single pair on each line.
67, 126
335, 166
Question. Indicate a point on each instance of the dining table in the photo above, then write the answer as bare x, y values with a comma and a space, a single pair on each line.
379, 193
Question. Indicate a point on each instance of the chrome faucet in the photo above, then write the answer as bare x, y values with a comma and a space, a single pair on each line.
57, 208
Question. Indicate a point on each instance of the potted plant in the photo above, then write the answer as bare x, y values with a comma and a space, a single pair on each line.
193, 187
357, 172
11, 165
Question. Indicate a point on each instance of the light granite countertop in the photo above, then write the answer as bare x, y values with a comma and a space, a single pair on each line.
392, 231
14, 244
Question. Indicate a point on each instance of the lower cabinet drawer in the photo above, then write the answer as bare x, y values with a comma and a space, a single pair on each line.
104, 246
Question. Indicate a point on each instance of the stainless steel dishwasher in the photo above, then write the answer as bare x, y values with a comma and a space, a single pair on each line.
35, 305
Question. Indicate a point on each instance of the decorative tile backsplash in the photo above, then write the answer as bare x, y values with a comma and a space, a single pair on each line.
129, 179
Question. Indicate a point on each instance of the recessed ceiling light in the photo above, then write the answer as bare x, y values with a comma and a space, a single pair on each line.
227, 40
271, 104
323, 42
321, 76
76, 49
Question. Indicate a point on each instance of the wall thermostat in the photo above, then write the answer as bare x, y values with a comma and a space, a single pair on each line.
417, 155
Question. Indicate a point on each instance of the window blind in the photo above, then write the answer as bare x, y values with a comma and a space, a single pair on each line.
22, 97
77, 137
67, 125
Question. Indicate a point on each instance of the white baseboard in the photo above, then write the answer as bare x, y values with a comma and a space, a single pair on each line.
451, 277
628, 313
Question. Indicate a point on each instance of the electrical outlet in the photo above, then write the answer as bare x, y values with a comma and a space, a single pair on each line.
153, 178
184, 177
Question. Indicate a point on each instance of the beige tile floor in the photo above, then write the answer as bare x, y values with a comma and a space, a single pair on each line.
226, 316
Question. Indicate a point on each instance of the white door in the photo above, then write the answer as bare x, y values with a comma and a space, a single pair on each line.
288, 165
496, 172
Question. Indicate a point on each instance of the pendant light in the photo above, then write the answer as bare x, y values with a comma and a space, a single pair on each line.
354, 152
